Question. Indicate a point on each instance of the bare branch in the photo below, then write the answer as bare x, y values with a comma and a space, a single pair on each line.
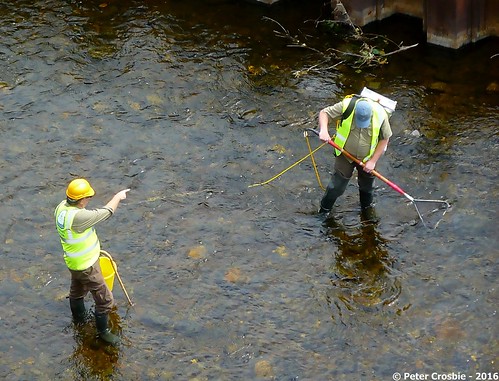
286, 32
401, 49
340, 14
304, 46
368, 53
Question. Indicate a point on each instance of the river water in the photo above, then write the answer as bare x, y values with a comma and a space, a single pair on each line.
190, 103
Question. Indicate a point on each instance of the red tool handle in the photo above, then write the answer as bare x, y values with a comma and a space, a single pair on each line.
374, 172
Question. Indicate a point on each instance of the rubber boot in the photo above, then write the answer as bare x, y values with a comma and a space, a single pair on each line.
368, 213
366, 200
322, 210
104, 332
78, 310
335, 189
366, 190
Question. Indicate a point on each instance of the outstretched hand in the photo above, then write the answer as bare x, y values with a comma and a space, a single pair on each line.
121, 195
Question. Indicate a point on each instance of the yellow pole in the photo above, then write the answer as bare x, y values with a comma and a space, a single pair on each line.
106, 254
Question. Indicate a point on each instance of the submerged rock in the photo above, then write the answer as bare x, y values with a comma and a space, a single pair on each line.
197, 252
493, 87
263, 369
234, 275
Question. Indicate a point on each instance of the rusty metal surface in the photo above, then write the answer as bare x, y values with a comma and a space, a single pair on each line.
448, 23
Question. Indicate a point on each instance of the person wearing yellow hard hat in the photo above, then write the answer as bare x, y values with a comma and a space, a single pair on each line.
81, 247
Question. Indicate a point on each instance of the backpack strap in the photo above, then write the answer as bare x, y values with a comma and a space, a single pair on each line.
350, 107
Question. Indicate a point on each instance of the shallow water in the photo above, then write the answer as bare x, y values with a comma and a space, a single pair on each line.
189, 104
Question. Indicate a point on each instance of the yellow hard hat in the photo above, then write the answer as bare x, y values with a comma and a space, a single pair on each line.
78, 189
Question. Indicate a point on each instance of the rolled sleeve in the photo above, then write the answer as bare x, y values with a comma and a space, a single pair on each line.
334, 111
85, 218
386, 129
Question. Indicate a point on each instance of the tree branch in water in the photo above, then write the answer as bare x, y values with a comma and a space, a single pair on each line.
368, 54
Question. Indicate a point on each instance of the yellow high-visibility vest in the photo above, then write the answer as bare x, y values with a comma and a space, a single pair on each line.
343, 127
81, 250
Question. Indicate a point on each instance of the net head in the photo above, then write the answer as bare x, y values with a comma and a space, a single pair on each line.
431, 212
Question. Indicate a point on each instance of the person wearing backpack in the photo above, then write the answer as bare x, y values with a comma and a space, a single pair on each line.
362, 129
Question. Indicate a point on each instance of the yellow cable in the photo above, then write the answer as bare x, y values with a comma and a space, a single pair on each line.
313, 161
292, 166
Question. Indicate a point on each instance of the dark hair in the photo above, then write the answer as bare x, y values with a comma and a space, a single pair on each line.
70, 201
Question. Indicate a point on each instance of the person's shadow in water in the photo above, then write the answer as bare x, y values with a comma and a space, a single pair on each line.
362, 273
92, 358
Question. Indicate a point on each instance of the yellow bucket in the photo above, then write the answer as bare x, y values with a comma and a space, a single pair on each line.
107, 271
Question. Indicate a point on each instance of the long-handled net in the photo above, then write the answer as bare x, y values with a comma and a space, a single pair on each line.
430, 212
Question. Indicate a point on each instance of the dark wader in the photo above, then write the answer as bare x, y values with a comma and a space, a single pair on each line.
342, 174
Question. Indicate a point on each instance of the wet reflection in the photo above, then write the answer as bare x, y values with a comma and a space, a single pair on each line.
92, 357
362, 272
90, 27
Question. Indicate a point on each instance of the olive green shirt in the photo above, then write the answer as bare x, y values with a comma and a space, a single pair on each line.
86, 218
359, 139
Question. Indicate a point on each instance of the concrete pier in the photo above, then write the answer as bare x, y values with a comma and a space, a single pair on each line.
448, 23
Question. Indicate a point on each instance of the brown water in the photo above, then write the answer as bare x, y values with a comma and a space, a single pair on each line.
189, 103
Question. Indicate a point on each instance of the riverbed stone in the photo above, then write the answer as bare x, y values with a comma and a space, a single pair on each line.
264, 369
197, 252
